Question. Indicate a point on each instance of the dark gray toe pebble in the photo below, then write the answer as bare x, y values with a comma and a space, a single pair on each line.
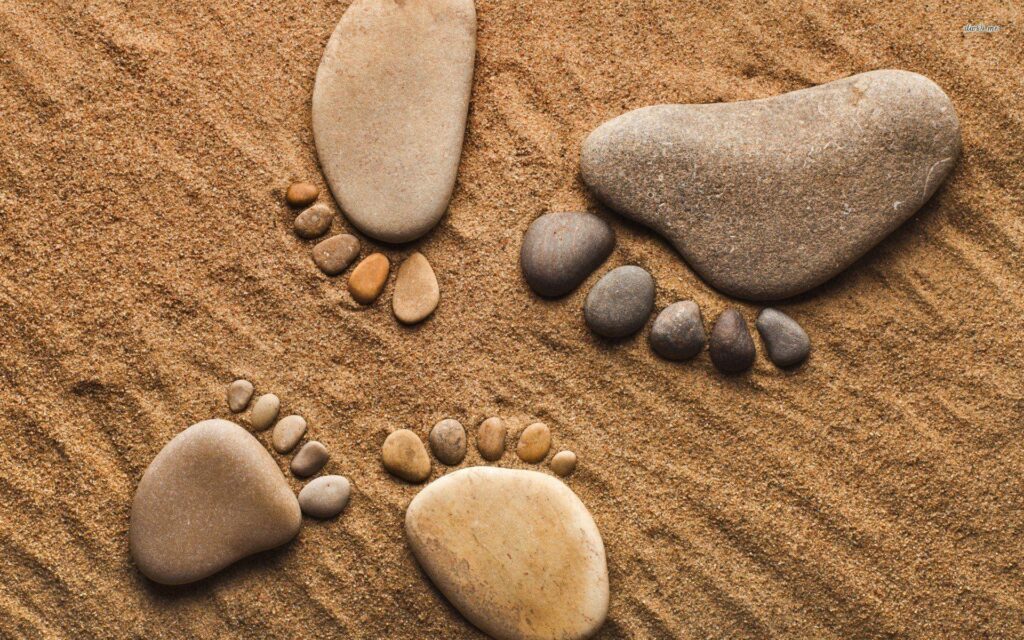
678, 331
561, 249
732, 348
785, 341
620, 303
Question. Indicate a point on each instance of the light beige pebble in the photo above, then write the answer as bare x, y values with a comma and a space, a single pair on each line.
287, 433
534, 442
490, 439
311, 458
314, 221
448, 442
264, 412
334, 254
239, 395
325, 497
564, 463
416, 291
405, 456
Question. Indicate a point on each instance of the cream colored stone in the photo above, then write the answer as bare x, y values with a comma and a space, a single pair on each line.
416, 290
405, 456
239, 395
287, 433
534, 442
264, 412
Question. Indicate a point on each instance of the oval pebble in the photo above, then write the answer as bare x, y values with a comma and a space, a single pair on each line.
534, 442
561, 249
368, 278
732, 348
325, 497
287, 433
264, 412
239, 395
490, 439
301, 194
784, 339
564, 463
678, 331
405, 456
416, 291
314, 221
334, 254
311, 458
448, 442
620, 303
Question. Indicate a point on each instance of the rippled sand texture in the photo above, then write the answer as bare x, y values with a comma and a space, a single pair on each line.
146, 261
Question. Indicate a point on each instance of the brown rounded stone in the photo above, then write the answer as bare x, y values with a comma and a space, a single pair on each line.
405, 456
311, 458
287, 433
301, 194
314, 221
368, 278
564, 463
325, 497
239, 395
334, 254
448, 442
534, 442
416, 291
731, 349
490, 439
264, 412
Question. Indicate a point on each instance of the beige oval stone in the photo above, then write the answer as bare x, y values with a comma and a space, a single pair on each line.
534, 442
212, 496
563, 463
311, 458
516, 552
325, 497
287, 433
405, 456
301, 194
490, 439
416, 291
368, 278
239, 395
448, 442
264, 412
314, 221
334, 254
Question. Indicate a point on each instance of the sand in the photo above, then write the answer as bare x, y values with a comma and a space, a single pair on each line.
147, 260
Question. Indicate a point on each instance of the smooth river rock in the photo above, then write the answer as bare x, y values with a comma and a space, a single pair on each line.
334, 254
368, 278
534, 442
769, 198
563, 463
448, 442
239, 395
678, 331
287, 433
301, 194
620, 303
561, 249
731, 349
264, 412
416, 291
389, 111
325, 497
784, 339
405, 456
490, 439
311, 458
314, 221
516, 552
212, 496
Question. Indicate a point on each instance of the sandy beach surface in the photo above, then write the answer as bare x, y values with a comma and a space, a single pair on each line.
147, 259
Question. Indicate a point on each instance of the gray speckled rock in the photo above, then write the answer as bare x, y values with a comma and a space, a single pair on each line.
448, 442
620, 303
314, 221
561, 249
732, 349
325, 497
768, 198
389, 111
678, 331
785, 341
334, 254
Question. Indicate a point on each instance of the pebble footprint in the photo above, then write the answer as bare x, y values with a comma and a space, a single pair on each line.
215, 495
515, 551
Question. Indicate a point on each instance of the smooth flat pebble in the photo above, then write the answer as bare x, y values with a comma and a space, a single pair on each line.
389, 111
620, 303
490, 439
448, 442
563, 463
314, 221
530, 560
367, 280
769, 198
534, 442
561, 249
301, 194
325, 497
239, 395
212, 496
416, 291
678, 331
731, 349
287, 433
784, 339
334, 254
405, 456
311, 458
264, 412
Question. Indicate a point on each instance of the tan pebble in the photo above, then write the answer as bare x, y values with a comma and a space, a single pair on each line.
448, 442
416, 291
405, 456
311, 458
490, 439
239, 395
301, 194
334, 254
287, 433
534, 443
368, 278
314, 221
564, 463
264, 412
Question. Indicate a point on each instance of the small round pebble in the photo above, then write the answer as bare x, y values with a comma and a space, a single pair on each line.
325, 497
678, 331
561, 249
564, 463
405, 456
301, 194
732, 348
311, 458
416, 291
490, 439
239, 395
287, 433
620, 303
534, 442
448, 442
784, 339
314, 221
334, 254
264, 412
368, 278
